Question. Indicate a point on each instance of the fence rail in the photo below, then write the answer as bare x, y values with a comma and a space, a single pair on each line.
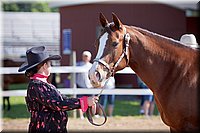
61, 69
72, 91
75, 91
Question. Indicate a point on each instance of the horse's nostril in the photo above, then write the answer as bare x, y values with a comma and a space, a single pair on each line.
98, 75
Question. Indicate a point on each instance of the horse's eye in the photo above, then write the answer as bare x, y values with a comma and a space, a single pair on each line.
115, 44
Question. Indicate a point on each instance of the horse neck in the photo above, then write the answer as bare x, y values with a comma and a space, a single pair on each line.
154, 59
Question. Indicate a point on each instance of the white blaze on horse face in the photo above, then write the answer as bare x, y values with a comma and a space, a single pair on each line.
93, 69
102, 44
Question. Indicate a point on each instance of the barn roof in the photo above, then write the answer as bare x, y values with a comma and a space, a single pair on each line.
181, 4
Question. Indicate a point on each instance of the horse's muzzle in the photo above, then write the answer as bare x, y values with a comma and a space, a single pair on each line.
97, 76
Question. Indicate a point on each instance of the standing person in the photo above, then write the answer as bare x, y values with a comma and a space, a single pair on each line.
108, 99
147, 102
82, 80
48, 107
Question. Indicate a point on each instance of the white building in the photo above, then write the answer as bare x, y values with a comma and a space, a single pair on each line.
22, 30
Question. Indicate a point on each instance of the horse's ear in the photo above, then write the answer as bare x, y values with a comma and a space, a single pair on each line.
116, 21
103, 20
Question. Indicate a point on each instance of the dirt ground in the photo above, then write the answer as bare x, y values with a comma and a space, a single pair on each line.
130, 123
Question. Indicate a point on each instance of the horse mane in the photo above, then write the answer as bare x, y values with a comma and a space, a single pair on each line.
168, 48
161, 37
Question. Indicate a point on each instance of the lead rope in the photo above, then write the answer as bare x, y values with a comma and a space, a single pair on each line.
99, 107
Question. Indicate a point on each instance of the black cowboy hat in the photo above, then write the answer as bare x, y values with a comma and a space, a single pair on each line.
35, 56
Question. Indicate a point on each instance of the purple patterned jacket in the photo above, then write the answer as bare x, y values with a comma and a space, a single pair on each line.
48, 107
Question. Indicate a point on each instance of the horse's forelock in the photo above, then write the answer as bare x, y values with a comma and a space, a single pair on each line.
108, 30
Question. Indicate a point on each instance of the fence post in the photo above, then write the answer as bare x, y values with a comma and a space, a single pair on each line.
73, 78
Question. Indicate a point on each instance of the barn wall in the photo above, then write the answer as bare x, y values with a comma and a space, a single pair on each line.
193, 27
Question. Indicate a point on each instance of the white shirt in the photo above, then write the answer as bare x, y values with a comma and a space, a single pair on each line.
82, 79
110, 84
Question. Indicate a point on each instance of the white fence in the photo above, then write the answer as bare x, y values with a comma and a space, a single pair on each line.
74, 90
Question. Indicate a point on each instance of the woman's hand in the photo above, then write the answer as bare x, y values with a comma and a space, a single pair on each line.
92, 100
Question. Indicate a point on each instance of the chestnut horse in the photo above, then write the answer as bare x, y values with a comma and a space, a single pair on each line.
168, 67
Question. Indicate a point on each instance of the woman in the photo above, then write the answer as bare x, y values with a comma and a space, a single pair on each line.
45, 103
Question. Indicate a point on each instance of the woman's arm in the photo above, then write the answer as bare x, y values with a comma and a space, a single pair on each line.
51, 99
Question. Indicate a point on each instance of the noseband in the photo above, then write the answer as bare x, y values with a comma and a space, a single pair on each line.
111, 70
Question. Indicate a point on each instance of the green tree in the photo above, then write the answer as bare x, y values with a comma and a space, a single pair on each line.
40, 7
11, 7
28, 7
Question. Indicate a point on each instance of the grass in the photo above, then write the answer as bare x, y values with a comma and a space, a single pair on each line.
126, 108
121, 108
18, 109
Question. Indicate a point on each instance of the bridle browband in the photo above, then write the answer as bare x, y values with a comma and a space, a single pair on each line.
111, 70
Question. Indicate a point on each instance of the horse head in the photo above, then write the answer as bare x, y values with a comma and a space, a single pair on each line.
112, 51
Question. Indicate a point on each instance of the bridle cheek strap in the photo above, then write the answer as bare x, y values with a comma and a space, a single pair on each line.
127, 40
124, 52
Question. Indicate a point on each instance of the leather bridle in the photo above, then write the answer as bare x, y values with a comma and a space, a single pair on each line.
111, 70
